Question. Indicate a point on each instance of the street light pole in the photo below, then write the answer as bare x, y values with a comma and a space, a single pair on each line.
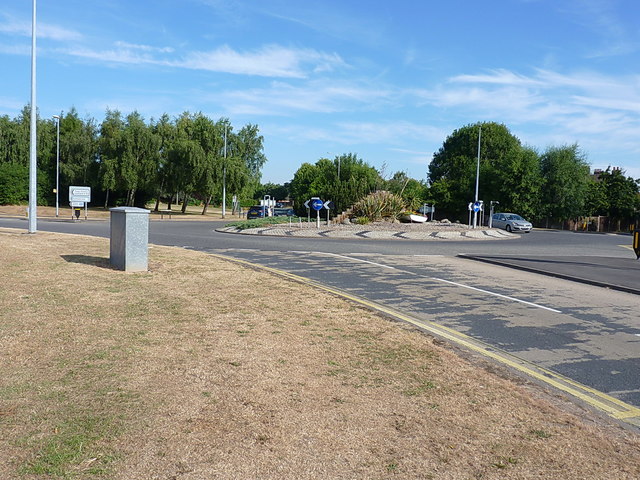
33, 163
57, 117
475, 214
224, 174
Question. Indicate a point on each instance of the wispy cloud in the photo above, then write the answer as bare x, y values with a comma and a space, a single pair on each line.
143, 48
595, 110
268, 61
12, 26
317, 96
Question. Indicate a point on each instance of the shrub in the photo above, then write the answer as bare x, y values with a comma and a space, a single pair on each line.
379, 205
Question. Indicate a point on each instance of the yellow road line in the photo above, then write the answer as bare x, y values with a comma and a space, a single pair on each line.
612, 406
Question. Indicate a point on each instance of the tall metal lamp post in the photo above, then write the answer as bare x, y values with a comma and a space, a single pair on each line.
57, 117
224, 174
475, 214
33, 163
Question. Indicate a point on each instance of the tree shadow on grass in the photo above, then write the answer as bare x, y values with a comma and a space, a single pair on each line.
101, 262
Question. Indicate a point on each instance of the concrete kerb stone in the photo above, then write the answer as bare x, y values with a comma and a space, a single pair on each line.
382, 234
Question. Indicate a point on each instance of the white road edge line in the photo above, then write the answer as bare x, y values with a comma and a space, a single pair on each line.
496, 294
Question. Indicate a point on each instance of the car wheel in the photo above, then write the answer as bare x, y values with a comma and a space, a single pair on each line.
508, 228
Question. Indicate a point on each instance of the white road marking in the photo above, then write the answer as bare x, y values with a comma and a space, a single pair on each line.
462, 285
497, 294
360, 260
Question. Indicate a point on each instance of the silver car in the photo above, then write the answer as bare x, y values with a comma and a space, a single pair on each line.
510, 222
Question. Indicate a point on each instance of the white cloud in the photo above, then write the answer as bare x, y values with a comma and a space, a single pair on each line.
144, 48
319, 96
498, 77
12, 26
269, 61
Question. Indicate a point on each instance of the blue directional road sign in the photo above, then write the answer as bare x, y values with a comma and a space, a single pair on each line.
317, 204
477, 206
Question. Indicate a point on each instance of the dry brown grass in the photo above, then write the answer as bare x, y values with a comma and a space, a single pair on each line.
204, 369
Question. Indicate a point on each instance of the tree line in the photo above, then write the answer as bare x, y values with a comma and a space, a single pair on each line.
128, 161
556, 184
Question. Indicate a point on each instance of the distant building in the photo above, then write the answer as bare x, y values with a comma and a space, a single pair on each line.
598, 171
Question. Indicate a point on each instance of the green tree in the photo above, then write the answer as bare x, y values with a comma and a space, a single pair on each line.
187, 160
413, 192
355, 180
566, 182
140, 158
210, 136
78, 148
596, 202
508, 171
279, 192
165, 131
621, 194
110, 151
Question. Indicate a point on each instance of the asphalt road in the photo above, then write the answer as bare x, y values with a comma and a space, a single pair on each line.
587, 333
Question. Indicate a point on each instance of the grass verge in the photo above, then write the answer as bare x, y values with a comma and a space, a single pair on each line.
187, 371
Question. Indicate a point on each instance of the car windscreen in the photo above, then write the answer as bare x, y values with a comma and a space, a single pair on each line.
514, 217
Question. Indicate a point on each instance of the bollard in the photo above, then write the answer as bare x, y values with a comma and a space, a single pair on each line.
129, 238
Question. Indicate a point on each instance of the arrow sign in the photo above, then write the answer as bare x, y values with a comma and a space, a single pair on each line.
477, 206
328, 204
317, 204
306, 204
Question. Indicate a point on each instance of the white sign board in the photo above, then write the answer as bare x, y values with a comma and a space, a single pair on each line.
80, 194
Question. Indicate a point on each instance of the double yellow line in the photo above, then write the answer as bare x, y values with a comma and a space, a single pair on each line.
601, 401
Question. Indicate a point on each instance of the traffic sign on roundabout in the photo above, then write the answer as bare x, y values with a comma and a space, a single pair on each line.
317, 204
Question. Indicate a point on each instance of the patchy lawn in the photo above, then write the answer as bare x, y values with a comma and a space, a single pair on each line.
202, 369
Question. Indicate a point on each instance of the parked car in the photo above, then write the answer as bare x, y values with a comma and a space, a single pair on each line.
257, 211
511, 222
283, 212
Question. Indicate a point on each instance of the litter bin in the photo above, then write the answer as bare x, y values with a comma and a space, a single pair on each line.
129, 239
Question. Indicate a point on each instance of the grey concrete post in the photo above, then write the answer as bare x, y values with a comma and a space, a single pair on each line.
129, 238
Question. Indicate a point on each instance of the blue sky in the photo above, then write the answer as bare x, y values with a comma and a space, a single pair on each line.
386, 80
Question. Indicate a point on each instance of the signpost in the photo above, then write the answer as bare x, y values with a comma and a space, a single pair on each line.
79, 197
475, 207
636, 243
317, 204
